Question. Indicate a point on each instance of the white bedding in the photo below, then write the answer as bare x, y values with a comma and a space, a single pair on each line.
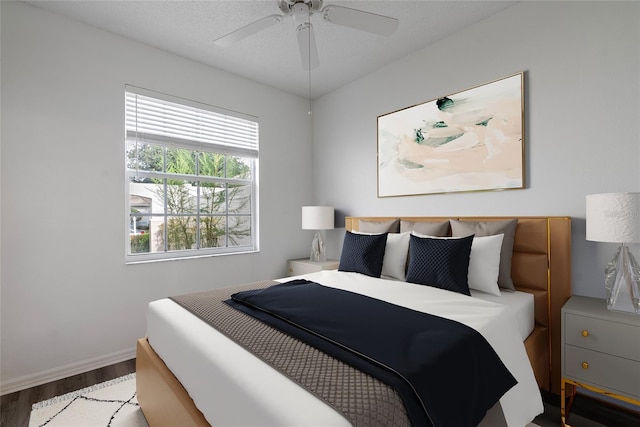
230, 386
521, 305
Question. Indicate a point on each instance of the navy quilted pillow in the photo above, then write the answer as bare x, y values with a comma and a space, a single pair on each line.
363, 253
441, 263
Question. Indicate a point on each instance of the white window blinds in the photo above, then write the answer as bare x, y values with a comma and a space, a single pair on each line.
153, 118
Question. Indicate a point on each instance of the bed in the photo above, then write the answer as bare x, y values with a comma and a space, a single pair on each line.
540, 268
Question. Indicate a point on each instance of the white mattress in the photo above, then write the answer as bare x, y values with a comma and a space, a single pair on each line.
521, 305
230, 386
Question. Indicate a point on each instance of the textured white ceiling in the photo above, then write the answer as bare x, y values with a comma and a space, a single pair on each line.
188, 28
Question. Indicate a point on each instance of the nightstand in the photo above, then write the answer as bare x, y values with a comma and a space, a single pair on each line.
600, 352
296, 267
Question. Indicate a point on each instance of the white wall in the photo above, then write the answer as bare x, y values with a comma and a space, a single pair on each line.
582, 94
69, 302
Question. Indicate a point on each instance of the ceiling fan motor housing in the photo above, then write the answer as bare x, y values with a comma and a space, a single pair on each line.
289, 6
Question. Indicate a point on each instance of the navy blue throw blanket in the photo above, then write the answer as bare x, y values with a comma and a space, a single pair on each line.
446, 373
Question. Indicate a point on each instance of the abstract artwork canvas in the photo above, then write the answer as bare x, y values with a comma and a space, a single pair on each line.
468, 141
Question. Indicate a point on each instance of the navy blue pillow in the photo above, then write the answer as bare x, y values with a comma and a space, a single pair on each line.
363, 253
441, 263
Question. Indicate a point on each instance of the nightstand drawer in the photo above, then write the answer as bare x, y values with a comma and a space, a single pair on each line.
615, 338
604, 370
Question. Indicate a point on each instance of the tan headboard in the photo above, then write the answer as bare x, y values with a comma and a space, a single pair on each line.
541, 265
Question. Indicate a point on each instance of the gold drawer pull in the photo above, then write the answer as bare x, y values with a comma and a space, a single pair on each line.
585, 333
585, 365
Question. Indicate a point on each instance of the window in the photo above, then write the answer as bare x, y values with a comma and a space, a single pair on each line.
191, 178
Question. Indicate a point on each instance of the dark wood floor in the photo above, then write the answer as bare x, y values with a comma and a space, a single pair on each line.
15, 408
586, 412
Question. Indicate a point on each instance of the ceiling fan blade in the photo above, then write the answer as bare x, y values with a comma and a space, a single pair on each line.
247, 30
308, 48
360, 20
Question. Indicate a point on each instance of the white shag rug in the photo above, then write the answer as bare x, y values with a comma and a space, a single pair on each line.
109, 404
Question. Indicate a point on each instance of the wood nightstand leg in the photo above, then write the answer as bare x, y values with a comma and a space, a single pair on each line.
565, 408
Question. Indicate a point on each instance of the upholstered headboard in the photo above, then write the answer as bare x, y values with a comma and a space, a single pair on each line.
540, 265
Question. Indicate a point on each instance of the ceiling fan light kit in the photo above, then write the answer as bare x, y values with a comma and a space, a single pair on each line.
287, 6
301, 11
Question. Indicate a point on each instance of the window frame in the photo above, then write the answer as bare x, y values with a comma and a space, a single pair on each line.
250, 155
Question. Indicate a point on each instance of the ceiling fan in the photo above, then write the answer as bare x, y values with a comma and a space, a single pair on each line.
301, 11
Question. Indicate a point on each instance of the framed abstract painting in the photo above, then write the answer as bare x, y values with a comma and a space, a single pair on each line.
468, 141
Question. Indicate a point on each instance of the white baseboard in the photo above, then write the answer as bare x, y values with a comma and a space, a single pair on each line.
65, 371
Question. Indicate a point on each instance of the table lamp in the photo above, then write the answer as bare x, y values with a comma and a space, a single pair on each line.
615, 217
317, 218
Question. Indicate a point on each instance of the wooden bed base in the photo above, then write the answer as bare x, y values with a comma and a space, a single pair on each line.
162, 398
541, 265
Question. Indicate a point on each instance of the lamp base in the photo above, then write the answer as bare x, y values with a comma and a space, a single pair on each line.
317, 249
622, 281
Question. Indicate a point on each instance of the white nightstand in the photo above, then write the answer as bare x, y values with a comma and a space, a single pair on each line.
296, 267
600, 352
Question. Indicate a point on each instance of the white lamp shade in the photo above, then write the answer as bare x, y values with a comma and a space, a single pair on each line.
613, 217
317, 218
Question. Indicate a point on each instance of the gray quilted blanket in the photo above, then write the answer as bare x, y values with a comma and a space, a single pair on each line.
360, 398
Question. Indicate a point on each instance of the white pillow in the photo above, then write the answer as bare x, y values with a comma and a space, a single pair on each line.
484, 262
394, 263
